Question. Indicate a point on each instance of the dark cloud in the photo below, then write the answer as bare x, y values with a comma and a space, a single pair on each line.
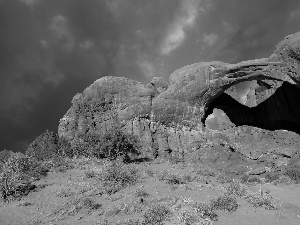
52, 49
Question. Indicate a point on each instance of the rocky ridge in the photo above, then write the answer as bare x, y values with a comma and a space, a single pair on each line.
168, 115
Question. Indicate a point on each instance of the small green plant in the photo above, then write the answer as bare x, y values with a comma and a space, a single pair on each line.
155, 215
117, 175
261, 199
225, 203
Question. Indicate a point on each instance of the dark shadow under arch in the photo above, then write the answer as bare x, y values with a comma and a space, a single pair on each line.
280, 111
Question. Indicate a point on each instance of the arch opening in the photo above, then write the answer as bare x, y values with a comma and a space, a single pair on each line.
280, 111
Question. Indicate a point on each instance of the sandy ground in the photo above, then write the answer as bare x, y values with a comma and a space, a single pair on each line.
54, 202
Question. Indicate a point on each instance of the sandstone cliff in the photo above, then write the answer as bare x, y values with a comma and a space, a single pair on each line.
168, 115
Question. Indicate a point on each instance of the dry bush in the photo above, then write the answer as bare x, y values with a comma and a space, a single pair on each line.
225, 203
129, 221
149, 172
237, 189
261, 199
4, 155
294, 174
155, 215
132, 206
141, 193
116, 175
189, 218
205, 211
65, 193
17, 175
223, 179
285, 180
74, 206
172, 178
269, 178
43, 147
90, 173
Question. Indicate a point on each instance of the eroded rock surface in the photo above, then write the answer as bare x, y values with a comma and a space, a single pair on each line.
168, 115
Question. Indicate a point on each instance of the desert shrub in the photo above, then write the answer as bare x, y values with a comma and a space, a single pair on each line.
61, 164
205, 172
149, 172
249, 180
17, 175
115, 143
261, 199
141, 193
285, 180
64, 148
90, 173
205, 211
74, 206
237, 189
43, 147
225, 203
271, 177
155, 215
189, 218
116, 175
171, 178
129, 221
294, 174
132, 206
223, 179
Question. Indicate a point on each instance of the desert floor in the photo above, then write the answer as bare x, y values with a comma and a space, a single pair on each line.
61, 198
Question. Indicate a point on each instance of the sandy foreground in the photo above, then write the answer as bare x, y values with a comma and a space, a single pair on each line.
58, 196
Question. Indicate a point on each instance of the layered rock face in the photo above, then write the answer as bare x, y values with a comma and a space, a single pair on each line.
168, 115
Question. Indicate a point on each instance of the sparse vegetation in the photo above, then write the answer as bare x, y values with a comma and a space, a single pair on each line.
44, 147
155, 215
237, 189
261, 199
4, 155
294, 174
205, 211
223, 179
141, 193
17, 175
73, 206
116, 175
172, 178
224, 203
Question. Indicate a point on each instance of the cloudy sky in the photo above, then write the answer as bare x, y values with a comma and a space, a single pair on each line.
52, 49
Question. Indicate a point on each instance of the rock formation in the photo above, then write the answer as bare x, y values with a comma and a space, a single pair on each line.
168, 115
